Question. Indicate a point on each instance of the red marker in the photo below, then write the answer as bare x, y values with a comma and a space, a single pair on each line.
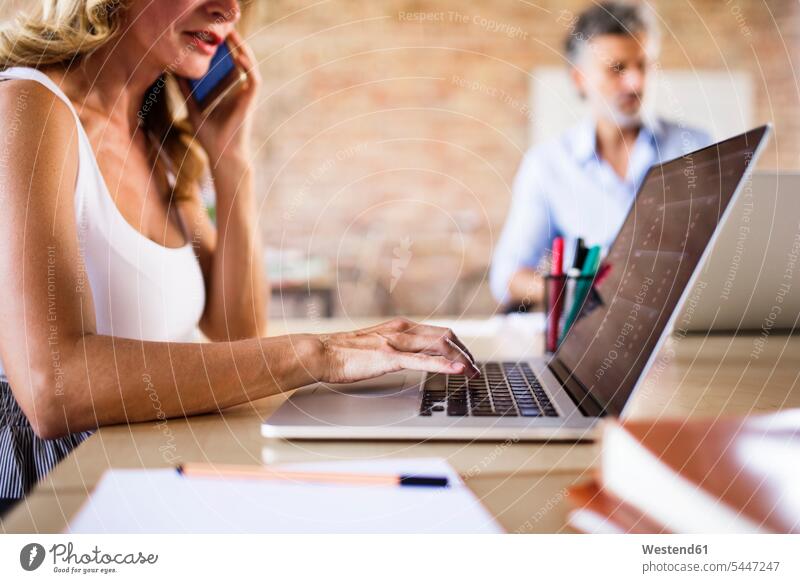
556, 294
602, 273
557, 268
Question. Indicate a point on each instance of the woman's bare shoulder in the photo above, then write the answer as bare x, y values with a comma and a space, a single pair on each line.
30, 104
34, 120
39, 150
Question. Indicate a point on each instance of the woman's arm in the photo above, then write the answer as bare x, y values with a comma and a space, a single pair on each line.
230, 256
66, 377
236, 290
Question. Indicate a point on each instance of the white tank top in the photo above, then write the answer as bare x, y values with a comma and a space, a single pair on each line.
141, 290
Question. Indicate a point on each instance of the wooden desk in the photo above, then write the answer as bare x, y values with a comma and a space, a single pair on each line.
523, 484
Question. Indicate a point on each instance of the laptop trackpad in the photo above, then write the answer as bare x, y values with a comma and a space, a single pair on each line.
388, 399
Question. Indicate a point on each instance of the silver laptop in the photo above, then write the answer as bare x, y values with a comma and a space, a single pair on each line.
742, 285
653, 262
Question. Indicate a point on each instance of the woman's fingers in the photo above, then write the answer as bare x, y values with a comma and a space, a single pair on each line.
432, 345
242, 52
407, 336
353, 356
426, 363
418, 343
244, 58
472, 365
410, 327
427, 330
456, 341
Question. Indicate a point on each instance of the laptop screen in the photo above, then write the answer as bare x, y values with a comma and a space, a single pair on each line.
647, 269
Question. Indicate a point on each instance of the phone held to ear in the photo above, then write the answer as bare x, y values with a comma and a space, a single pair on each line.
223, 77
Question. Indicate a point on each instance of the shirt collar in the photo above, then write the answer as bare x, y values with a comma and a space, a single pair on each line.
584, 137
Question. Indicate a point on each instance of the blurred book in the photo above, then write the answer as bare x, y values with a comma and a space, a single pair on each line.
727, 475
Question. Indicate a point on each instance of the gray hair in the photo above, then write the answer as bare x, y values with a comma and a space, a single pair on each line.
618, 18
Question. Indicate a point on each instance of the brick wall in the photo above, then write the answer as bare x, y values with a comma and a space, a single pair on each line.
374, 153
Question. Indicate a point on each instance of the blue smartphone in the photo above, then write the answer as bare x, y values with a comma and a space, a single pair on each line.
223, 77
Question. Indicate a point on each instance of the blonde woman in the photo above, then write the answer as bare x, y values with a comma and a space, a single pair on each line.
108, 260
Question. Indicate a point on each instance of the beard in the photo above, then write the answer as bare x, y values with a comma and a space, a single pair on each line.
625, 120
615, 113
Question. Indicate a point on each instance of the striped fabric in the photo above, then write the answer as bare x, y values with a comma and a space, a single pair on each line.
25, 458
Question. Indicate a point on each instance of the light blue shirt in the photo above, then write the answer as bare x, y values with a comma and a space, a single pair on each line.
563, 188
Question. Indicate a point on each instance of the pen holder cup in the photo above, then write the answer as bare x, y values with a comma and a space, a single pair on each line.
559, 299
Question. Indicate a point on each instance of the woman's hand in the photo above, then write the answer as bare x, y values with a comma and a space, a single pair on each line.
225, 132
389, 347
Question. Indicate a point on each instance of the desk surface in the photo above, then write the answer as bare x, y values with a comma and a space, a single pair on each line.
523, 484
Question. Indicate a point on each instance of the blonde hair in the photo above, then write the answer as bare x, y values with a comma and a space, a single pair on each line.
61, 32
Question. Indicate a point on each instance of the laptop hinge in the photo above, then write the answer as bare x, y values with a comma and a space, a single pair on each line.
583, 399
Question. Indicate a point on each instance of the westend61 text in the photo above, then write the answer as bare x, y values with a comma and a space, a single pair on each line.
675, 550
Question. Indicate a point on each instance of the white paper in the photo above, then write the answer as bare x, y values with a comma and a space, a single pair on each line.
162, 501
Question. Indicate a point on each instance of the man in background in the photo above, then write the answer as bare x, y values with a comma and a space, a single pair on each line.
583, 183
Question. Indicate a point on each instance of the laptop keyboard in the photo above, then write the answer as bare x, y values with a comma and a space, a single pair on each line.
506, 389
